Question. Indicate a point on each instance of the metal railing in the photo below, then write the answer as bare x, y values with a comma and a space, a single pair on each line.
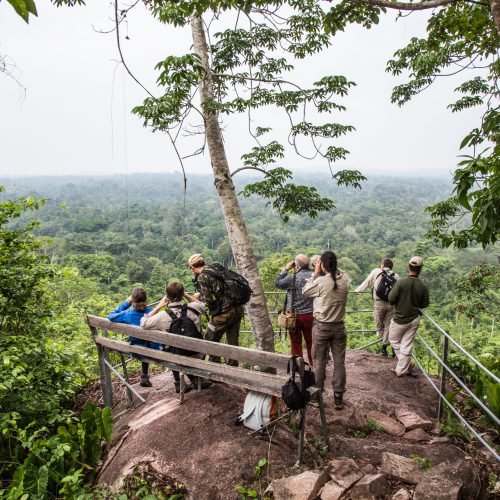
446, 371
275, 312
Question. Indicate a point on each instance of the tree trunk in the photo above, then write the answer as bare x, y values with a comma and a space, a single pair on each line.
238, 236
495, 12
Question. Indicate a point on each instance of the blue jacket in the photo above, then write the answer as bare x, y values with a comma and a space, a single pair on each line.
123, 314
131, 316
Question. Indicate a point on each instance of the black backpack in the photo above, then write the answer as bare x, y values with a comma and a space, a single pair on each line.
236, 287
183, 325
294, 397
387, 281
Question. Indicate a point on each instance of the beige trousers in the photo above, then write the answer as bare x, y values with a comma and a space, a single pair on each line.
402, 338
382, 314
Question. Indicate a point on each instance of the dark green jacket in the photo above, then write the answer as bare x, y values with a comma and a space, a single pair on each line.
407, 295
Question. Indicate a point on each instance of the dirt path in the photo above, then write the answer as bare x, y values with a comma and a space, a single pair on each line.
198, 444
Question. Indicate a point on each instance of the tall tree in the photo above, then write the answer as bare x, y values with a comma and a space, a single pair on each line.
249, 61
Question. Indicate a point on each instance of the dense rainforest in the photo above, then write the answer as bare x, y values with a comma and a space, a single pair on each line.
89, 240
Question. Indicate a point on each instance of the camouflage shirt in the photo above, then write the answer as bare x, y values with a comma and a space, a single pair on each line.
212, 291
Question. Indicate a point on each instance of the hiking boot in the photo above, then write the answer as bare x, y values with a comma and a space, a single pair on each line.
337, 400
187, 388
383, 350
145, 381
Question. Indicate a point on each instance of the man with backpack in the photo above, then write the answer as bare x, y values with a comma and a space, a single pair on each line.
182, 318
408, 295
224, 292
381, 279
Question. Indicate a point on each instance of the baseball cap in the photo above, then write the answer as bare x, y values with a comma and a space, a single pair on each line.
197, 257
417, 261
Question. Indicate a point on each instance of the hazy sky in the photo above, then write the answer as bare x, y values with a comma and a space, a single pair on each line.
75, 117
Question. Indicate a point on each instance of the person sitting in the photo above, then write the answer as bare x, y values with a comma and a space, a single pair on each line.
330, 297
132, 316
161, 320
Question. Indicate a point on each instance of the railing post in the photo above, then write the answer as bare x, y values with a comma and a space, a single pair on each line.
442, 388
106, 383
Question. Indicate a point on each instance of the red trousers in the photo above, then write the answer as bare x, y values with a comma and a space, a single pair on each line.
303, 328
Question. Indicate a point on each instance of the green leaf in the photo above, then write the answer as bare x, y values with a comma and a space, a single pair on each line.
21, 8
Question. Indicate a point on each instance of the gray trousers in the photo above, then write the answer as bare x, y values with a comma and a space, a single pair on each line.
334, 337
382, 314
226, 323
402, 338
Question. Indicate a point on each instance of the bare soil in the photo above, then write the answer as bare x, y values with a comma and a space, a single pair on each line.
197, 443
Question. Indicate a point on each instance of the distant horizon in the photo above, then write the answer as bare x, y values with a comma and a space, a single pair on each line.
427, 173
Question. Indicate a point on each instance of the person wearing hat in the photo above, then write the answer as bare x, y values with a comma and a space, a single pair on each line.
225, 318
408, 296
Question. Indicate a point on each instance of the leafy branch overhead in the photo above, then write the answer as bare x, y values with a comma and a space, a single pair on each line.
251, 70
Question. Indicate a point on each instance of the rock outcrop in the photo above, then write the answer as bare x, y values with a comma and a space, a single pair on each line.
198, 444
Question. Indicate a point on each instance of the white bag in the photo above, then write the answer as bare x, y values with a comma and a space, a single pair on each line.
258, 411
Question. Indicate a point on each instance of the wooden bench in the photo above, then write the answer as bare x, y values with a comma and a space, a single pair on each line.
251, 379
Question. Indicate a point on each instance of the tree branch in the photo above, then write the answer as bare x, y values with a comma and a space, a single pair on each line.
431, 4
249, 168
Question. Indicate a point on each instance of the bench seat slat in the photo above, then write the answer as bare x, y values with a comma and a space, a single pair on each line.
248, 379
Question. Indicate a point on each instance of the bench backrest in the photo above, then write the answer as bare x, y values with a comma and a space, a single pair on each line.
242, 354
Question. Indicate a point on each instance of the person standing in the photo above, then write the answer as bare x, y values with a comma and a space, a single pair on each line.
295, 301
382, 310
330, 297
408, 295
225, 316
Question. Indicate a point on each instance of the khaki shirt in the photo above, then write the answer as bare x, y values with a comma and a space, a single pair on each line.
373, 280
162, 320
329, 303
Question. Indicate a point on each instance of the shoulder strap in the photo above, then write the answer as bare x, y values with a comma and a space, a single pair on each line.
171, 313
185, 307
216, 272
198, 313
294, 291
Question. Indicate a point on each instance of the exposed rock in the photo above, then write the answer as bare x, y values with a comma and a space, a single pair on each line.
437, 484
331, 491
367, 468
304, 486
436, 430
418, 435
372, 448
401, 494
371, 486
389, 425
344, 471
440, 440
462, 473
411, 420
402, 468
